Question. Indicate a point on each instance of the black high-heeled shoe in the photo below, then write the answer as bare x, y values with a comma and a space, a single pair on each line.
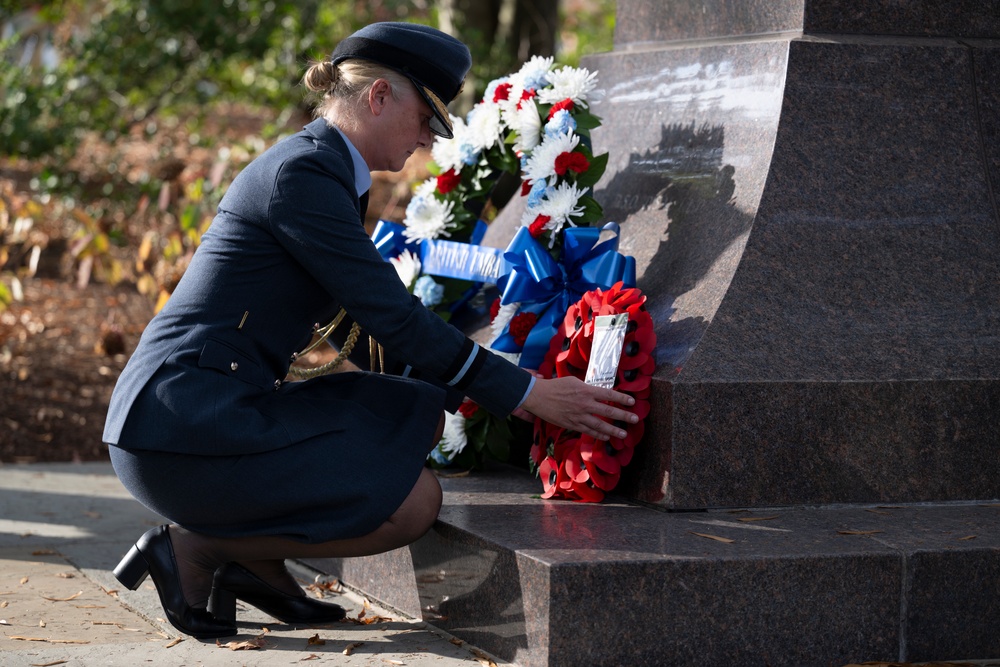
153, 554
233, 581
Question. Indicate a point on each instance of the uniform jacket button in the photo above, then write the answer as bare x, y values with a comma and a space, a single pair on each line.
277, 385
234, 367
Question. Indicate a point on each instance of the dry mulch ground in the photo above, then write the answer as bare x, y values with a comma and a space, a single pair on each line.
62, 348
55, 375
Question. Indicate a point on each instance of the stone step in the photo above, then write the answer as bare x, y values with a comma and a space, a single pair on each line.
553, 583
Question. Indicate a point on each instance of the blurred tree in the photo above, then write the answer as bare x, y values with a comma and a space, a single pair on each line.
122, 61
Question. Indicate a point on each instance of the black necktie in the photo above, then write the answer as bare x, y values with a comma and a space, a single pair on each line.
363, 200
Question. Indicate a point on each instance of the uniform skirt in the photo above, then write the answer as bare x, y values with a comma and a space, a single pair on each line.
330, 486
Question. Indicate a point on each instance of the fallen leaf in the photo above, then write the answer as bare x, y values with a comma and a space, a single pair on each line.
24, 580
3, 621
456, 641
482, 658
71, 597
51, 641
315, 641
249, 645
49, 664
3, 604
174, 643
967, 537
311, 656
757, 518
92, 515
858, 532
41, 624
713, 537
45, 552
349, 649
393, 662
65, 575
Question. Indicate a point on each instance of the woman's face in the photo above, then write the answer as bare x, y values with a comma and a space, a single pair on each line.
404, 126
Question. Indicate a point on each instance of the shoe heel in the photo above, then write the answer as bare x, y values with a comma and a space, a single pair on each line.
222, 605
132, 570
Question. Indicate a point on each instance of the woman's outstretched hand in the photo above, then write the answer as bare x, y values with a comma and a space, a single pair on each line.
573, 404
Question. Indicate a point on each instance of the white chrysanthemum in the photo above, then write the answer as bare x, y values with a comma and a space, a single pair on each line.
448, 153
428, 218
562, 203
485, 127
425, 189
407, 266
534, 74
503, 318
542, 162
574, 83
527, 124
453, 437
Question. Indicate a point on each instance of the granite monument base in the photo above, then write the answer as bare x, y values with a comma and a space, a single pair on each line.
558, 584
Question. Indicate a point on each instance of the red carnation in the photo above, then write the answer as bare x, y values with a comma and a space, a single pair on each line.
468, 408
494, 309
521, 325
571, 162
448, 181
502, 92
566, 104
537, 228
525, 188
525, 96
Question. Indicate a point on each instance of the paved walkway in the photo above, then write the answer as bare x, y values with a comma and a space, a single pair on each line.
64, 526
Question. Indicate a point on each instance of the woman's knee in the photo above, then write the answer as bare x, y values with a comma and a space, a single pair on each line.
420, 509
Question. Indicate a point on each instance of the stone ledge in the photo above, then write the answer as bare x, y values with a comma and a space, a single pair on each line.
552, 583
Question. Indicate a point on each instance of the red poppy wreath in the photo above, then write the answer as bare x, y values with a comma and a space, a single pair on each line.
578, 467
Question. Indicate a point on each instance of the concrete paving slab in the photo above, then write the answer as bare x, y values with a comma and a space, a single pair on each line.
64, 526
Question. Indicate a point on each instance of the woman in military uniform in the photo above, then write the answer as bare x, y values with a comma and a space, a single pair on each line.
251, 470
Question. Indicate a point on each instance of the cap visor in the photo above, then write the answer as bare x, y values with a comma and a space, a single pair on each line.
441, 122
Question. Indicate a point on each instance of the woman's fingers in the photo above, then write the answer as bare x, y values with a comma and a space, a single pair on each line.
573, 404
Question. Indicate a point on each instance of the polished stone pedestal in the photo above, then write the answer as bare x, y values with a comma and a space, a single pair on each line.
810, 189
558, 584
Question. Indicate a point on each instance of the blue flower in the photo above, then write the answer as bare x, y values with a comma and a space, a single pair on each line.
538, 190
438, 457
428, 291
468, 154
560, 123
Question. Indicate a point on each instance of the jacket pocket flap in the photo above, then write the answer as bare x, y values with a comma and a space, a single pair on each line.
229, 360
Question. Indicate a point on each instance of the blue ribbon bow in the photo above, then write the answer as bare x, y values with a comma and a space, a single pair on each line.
547, 288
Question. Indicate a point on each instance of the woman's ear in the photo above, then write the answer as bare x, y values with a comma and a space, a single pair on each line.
378, 96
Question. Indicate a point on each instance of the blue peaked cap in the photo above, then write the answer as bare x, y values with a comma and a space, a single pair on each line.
435, 62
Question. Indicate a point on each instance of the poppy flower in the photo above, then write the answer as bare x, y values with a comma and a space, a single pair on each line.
601, 454
581, 468
549, 473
